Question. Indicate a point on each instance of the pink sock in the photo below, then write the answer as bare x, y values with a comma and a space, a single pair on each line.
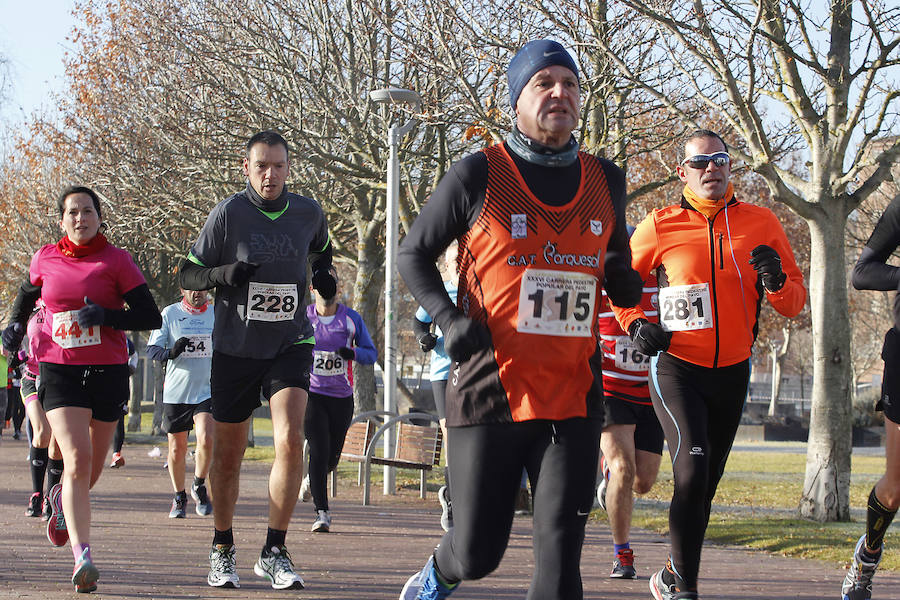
78, 549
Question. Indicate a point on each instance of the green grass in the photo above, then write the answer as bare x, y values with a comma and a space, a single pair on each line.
754, 483
761, 481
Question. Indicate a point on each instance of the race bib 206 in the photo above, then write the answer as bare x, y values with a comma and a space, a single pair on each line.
328, 363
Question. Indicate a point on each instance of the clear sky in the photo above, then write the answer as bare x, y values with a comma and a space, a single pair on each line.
33, 38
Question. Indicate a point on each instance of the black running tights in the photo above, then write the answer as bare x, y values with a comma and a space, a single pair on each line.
699, 409
486, 464
326, 424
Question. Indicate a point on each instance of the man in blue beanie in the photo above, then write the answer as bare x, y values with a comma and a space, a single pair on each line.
541, 226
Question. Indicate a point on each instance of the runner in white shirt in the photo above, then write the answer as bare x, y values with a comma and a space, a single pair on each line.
184, 342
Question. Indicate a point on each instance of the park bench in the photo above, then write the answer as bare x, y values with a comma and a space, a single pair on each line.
417, 447
359, 436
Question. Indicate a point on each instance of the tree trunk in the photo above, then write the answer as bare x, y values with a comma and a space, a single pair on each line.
826, 489
366, 291
136, 386
778, 355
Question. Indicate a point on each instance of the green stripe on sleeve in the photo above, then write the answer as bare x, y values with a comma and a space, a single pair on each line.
194, 259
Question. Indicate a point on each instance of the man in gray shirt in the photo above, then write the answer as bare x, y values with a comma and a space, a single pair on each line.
254, 250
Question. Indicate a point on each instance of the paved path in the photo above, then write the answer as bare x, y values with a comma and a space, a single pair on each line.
142, 554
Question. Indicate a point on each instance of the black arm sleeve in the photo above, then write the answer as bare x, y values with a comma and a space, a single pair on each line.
871, 271
622, 283
141, 314
192, 276
449, 213
158, 353
420, 327
26, 297
322, 260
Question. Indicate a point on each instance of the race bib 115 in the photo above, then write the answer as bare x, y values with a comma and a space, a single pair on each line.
556, 303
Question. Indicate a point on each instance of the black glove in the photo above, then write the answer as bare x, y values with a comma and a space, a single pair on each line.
346, 353
768, 264
324, 283
427, 341
649, 338
90, 315
239, 273
178, 347
12, 336
464, 337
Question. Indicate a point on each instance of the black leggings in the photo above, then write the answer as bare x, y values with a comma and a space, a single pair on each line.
486, 464
119, 436
15, 408
327, 421
699, 409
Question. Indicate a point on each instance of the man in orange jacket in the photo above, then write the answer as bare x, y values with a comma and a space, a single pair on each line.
716, 258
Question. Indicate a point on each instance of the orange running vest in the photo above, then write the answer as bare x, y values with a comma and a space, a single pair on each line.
532, 273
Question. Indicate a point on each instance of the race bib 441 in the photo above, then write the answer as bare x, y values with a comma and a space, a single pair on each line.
67, 333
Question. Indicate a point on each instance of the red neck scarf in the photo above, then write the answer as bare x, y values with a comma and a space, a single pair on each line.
69, 248
193, 310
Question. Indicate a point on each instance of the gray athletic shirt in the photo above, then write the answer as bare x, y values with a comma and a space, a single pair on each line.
265, 316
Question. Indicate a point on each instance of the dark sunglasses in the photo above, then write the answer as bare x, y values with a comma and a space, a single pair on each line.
701, 161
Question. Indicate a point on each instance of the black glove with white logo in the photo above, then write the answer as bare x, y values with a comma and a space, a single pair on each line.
768, 264
427, 341
464, 337
649, 338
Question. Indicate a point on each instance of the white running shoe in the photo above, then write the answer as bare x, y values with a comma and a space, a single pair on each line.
323, 522
858, 581
222, 571
446, 508
275, 564
305, 492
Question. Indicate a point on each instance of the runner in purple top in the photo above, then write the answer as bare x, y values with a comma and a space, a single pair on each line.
341, 337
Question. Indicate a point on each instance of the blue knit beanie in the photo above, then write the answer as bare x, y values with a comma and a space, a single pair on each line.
533, 57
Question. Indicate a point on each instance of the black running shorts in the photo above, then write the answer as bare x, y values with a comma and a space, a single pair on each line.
28, 390
237, 383
102, 388
648, 435
178, 418
890, 382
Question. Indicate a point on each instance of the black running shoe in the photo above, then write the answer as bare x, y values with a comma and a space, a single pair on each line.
34, 505
623, 566
178, 504
201, 497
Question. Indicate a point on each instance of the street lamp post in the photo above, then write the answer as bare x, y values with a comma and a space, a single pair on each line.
395, 134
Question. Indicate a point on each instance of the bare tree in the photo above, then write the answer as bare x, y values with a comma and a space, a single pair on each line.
829, 73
